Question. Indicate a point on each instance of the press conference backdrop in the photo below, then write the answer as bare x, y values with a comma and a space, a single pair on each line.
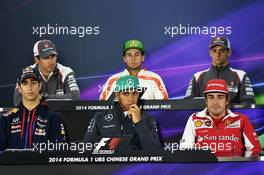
89, 36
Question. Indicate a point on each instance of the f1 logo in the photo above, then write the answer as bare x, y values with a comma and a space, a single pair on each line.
112, 145
101, 143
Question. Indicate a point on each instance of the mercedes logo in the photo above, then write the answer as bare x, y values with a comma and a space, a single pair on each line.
130, 82
109, 117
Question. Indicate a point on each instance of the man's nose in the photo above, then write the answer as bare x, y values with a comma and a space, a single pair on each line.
30, 85
130, 97
215, 101
133, 57
218, 53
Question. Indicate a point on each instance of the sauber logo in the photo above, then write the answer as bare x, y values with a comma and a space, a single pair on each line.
107, 145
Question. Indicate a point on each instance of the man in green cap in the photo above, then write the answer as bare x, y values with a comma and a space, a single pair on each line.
133, 56
125, 118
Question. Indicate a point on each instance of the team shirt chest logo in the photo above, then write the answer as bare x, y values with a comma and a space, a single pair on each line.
202, 123
208, 123
41, 124
109, 117
15, 125
236, 124
198, 123
15, 120
40, 132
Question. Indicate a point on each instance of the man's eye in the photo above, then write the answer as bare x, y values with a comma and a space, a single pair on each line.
125, 93
135, 93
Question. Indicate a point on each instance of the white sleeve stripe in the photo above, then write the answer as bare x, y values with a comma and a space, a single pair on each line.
249, 146
240, 73
198, 74
188, 138
74, 89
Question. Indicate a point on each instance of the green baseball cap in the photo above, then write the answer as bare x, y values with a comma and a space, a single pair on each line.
134, 44
127, 83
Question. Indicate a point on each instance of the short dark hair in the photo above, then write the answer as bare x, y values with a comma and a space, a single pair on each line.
124, 53
227, 96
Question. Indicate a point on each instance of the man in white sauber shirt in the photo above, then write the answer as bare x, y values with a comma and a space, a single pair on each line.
133, 56
58, 81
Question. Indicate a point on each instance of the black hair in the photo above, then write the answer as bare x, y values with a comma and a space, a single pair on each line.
227, 96
143, 53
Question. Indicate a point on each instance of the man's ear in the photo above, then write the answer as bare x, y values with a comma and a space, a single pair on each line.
19, 88
229, 52
228, 100
116, 96
210, 52
205, 99
124, 59
143, 58
36, 60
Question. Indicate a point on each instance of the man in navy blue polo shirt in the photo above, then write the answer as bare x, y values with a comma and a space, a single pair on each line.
31, 121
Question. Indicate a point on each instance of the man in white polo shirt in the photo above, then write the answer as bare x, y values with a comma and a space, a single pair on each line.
133, 56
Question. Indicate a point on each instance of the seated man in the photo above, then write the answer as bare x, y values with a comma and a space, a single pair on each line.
125, 118
31, 121
133, 57
216, 127
239, 85
58, 81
